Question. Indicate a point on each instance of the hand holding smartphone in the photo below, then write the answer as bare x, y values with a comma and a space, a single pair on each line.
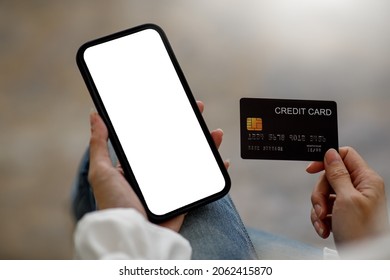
141, 93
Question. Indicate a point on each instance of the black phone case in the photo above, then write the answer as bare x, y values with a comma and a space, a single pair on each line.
114, 138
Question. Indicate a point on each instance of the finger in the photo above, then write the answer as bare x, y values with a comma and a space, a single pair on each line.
352, 160
331, 201
315, 167
200, 106
217, 136
120, 169
320, 197
227, 164
321, 226
318, 166
98, 141
337, 173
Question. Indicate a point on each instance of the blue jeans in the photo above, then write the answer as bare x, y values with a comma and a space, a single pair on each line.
215, 230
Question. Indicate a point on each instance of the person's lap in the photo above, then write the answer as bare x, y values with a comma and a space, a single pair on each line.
215, 230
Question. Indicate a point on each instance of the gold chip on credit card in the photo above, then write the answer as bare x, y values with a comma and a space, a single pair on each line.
254, 124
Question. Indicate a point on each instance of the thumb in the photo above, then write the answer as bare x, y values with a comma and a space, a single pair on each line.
98, 141
337, 173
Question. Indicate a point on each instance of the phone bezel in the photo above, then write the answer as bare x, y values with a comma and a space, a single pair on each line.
114, 138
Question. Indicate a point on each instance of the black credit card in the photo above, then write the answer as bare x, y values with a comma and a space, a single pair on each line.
287, 129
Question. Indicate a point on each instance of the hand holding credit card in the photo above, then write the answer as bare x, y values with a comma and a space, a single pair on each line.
287, 129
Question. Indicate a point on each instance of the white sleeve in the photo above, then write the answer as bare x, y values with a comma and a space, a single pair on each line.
367, 249
330, 254
126, 234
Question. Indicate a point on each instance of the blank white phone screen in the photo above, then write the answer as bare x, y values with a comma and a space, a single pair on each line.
154, 121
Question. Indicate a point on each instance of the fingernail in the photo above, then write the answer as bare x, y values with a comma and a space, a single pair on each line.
318, 228
318, 210
227, 163
310, 164
332, 156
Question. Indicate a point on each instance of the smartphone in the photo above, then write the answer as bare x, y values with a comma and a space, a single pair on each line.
158, 133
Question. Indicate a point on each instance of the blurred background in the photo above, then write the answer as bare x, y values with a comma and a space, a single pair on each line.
303, 49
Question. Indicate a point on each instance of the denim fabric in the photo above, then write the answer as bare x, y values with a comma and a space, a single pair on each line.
215, 230
274, 247
83, 200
